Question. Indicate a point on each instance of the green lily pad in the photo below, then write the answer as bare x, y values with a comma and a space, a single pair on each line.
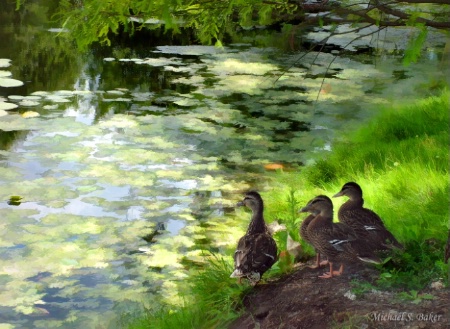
4, 74
5, 62
5, 106
9, 83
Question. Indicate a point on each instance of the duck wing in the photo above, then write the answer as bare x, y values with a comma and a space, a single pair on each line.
341, 236
340, 242
255, 253
367, 224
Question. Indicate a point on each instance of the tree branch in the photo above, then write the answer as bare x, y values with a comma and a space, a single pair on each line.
331, 10
405, 17
444, 2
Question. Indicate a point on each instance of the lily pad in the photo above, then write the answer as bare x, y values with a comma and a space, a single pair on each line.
16, 97
33, 98
5, 106
15, 200
4, 74
9, 83
162, 61
30, 114
119, 99
115, 92
57, 99
5, 62
50, 107
64, 93
40, 93
190, 50
27, 102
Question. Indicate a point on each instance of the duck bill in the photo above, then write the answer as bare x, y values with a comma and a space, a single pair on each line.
304, 209
240, 204
340, 193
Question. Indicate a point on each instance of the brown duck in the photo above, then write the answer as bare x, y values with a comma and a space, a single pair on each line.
366, 223
337, 241
305, 237
256, 251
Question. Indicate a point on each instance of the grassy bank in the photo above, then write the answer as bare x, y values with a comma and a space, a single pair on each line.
401, 161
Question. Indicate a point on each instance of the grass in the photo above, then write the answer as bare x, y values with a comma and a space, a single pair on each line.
213, 300
401, 161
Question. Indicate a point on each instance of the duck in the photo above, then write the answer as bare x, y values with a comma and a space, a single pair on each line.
304, 235
256, 251
337, 241
366, 223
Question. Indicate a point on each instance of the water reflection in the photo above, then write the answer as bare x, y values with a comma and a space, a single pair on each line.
134, 165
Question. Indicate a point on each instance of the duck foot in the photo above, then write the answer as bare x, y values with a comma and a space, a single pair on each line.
331, 273
318, 262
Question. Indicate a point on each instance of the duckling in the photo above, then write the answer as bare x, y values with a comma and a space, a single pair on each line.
256, 251
304, 236
337, 241
366, 223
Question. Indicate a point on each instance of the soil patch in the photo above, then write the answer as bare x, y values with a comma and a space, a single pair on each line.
301, 300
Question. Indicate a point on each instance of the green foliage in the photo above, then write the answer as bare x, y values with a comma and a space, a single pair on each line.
415, 267
415, 45
322, 172
390, 141
211, 300
360, 288
414, 296
92, 21
15, 200
400, 159
210, 20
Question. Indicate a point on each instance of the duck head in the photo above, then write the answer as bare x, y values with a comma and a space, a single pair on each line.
251, 200
320, 204
351, 190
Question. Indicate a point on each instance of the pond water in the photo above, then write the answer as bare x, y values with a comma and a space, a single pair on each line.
129, 161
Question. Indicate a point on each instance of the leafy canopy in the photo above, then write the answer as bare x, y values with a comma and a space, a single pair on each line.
94, 20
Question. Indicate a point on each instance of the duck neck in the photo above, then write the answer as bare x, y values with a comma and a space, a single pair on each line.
257, 224
321, 222
327, 213
354, 202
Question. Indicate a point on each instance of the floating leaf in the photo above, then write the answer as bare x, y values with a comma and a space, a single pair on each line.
27, 102
4, 74
5, 62
15, 200
7, 106
273, 166
30, 114
9, 83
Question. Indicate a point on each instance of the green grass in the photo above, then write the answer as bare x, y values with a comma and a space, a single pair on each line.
213, 300
400, 159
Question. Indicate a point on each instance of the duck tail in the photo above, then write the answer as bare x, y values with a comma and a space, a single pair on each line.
370, 259
392, 243
237, 273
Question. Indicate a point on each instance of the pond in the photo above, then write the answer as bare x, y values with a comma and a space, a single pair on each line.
129, 161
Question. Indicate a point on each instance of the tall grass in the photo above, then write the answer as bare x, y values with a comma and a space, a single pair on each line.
401, 160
